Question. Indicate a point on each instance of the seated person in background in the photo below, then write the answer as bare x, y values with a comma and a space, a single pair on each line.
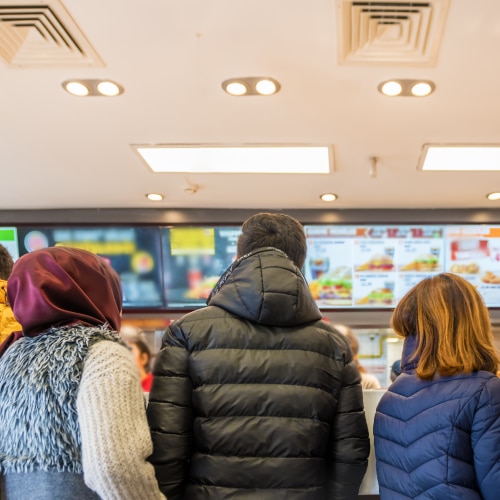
8, 323
73, 421
437, 428
368, 381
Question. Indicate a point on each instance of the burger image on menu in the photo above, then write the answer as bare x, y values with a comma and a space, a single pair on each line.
383, 296
379, 262
423, 263
334, 288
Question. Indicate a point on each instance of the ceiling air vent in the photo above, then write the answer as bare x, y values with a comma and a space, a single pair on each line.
42, 35
390, 32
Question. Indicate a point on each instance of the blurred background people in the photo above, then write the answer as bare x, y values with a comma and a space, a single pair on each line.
395, 370
73, 422
368, 380
136, 339
8, 323
437, 428
254, 395
142, 356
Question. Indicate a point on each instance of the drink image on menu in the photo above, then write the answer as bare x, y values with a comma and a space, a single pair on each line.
318, 266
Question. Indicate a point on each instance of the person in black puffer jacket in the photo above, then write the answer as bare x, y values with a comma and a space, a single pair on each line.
255, 396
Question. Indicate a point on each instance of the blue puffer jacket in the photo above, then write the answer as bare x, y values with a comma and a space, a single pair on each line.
440, 438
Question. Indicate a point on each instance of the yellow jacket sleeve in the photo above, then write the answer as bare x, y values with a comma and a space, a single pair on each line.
8, 323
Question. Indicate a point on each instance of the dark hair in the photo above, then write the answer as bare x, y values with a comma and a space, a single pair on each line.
143, 349
396, 370
280, 231
451, 323
6, 263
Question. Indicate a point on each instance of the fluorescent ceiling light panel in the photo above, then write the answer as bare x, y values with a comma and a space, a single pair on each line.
456, 157
232, 159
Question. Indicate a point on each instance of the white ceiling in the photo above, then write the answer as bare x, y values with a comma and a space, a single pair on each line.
60, 151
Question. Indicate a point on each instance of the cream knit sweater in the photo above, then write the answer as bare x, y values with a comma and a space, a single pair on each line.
114, 430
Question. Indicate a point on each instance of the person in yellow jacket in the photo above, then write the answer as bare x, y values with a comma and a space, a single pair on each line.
8, 323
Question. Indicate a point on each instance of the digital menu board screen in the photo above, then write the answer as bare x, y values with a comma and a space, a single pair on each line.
194, 258
133, 252
347, 266
374, 266
8, 238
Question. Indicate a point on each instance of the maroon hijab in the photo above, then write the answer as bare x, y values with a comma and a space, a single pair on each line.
58, 286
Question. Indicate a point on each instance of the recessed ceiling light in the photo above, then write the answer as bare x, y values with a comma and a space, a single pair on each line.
459, 157
421, 89
251, 86
391, 88
265, 87
406, 88
154, 196
76, 88
236, 88
493, 196
87, 87
254, 159
328, 197
108, 88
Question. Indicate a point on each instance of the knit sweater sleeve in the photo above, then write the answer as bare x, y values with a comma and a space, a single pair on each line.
114, 431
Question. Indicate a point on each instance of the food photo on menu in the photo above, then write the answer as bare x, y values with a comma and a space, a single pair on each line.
420, 256
370, 266
374, 266
328, 271
373, 255
473, 257
333, 288
477, 259
376, 290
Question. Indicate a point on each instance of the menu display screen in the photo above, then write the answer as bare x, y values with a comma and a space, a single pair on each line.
133, 252
194, 258
347, 266
374, 266
8, 238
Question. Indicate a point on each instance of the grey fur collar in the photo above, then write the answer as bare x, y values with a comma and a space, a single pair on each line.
39, 381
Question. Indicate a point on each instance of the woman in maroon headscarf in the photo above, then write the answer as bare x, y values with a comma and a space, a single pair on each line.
72, 414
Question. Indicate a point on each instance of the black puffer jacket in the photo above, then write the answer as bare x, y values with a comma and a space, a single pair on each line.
255, 397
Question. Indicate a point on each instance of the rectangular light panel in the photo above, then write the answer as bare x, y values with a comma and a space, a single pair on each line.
456, 157
235, 159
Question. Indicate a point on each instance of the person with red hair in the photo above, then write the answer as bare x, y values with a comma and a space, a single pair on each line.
437, 427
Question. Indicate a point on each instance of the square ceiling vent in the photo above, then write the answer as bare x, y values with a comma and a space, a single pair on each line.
390, 32
42, 35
